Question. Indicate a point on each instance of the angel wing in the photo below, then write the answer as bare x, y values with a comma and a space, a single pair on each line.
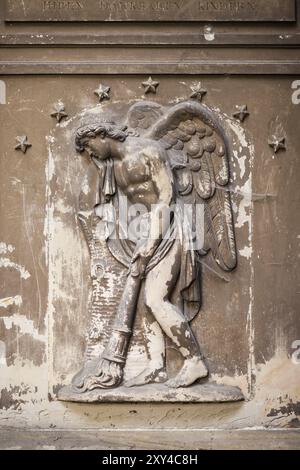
199, 152
143, 115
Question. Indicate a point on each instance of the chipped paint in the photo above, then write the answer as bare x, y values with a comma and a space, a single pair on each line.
6, 302
25, 326
246, 252
240, 133
48, 230
242, 163
24, 380
244, 151
7, 263
272, 402
85, 185
2, 92
272, 378
35, 410
209, 34
2, 353
6, 248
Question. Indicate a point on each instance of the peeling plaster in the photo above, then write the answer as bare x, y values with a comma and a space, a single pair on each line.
48, 229
2, 354
209, 36
272, 406
242, 151
25, 380
64, 208
25, 325
7, 263
4, 248
242, 163
85, 185
271, 400
6, 302
246, 252
272, 378
237, 380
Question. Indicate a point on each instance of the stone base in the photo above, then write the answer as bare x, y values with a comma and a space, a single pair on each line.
149, 439
199, 393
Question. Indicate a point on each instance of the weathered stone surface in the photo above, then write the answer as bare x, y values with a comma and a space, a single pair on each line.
232, 347
150, 10
153, 160
156, 393
45, 262
172, 439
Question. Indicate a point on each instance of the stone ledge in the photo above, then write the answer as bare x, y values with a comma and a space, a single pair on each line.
156, 393
147, 439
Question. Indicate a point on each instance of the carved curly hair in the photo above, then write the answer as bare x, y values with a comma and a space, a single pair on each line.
103, 129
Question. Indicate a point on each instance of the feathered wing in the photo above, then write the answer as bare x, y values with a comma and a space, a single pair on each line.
143, 114
199, 152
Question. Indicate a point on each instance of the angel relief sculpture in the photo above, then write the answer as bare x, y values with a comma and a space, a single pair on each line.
171, 165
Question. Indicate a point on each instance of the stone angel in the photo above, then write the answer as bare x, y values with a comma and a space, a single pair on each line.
166, 159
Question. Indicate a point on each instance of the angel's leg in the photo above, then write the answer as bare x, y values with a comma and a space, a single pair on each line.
155, 346
158, 287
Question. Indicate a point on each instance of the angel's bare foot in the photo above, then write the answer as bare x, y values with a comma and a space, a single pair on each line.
192, 370
146, 377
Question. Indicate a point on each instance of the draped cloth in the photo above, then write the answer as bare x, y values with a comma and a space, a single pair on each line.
122, 248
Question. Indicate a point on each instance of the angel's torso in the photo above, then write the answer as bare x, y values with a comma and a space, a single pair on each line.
137, 172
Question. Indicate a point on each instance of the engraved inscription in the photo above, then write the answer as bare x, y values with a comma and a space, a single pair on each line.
209, 6
57, 5
106, 5
150, 10
230, 6
165, 6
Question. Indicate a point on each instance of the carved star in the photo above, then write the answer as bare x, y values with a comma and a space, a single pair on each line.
102, 92
23, 143
241, 112
277, 143
198, 92
59, 112
150, 85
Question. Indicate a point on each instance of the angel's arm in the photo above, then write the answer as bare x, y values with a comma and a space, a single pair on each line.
159, 215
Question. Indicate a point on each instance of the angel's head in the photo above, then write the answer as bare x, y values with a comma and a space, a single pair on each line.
96, 139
